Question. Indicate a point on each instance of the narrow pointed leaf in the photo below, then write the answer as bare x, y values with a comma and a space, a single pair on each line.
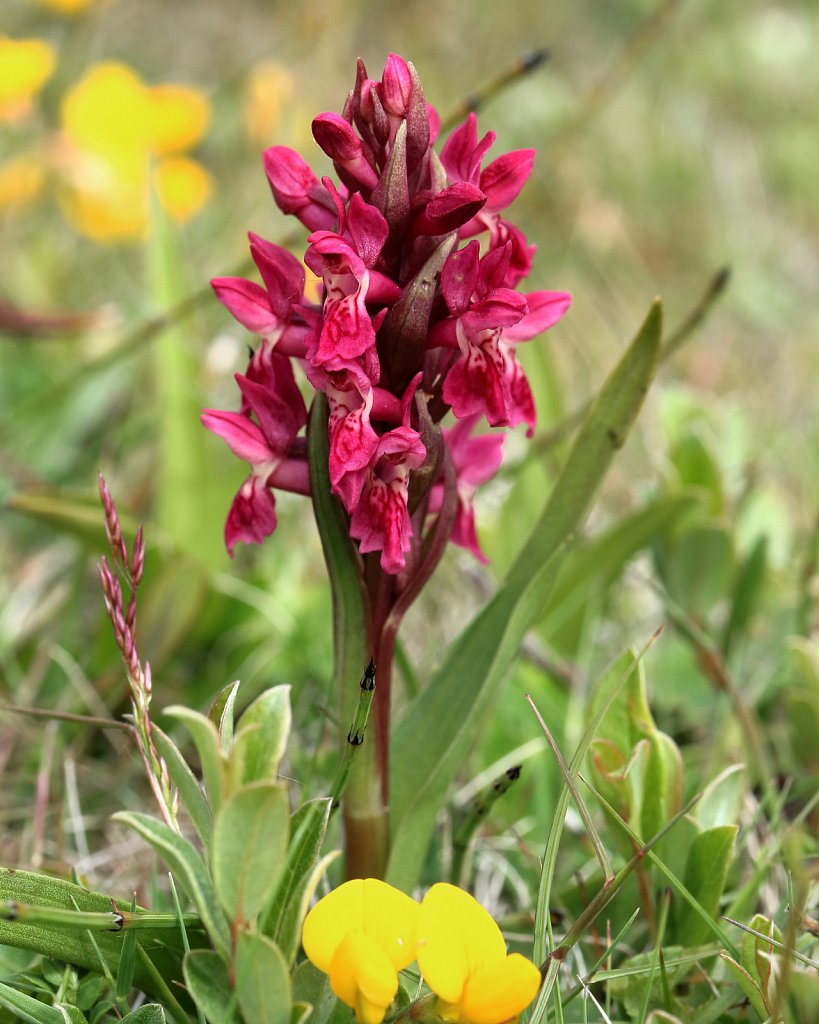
261, 738
705, 874
190, 792
206, 739
431, 740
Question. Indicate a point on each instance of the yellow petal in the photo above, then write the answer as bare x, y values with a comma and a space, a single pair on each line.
339, 912
362, 976
179, 117
27, 64
183, 186
500, 990
108, 112
455, 937
116, 214
390, 917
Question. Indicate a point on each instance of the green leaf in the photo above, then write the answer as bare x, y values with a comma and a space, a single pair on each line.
249, 847
70, 1014
206, 739
722, 798
300, 1013
705, 874
150, 1013
662, 784
76, 513
748, 587
261, 738
430, 742
221, 714
262, 980
281, 920
74, 946
27, 1008
756, 953
190, 792
696, 468
207, 979
187, 866
127, 960
752, 991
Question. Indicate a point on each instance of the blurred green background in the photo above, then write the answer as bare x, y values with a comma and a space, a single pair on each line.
673, 139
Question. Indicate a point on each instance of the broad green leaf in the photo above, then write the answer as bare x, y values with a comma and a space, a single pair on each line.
722, 798
206, 740
756, 953
700, 567
208, 981
696, 468
747, 590
249, 848
221, 713
307, 828
74, 946
261, 738
662, 784
430, 742
190, 792
187, 867
705, 874
262, 980
751, 990
27, 1008
150, 1013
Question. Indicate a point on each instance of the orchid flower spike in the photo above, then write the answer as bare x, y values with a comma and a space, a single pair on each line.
463, 959
361, 935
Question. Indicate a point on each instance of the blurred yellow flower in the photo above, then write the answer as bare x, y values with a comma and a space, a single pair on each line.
268, 90
26, 66
67, 6
183, 186
116, 131
21, 180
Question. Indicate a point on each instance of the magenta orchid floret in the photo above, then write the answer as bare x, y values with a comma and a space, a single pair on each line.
419, 317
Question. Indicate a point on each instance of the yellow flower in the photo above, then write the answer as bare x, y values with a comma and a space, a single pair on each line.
361, 934
27, 65
20, 181
463, 959
268, 90
114, 129
67, 6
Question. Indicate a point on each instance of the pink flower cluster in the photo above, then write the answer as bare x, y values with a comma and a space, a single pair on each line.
417, 317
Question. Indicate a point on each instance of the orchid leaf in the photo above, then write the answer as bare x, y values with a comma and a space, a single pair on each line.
432, 739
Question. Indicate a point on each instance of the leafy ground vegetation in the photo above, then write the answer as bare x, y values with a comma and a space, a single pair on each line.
625, 773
